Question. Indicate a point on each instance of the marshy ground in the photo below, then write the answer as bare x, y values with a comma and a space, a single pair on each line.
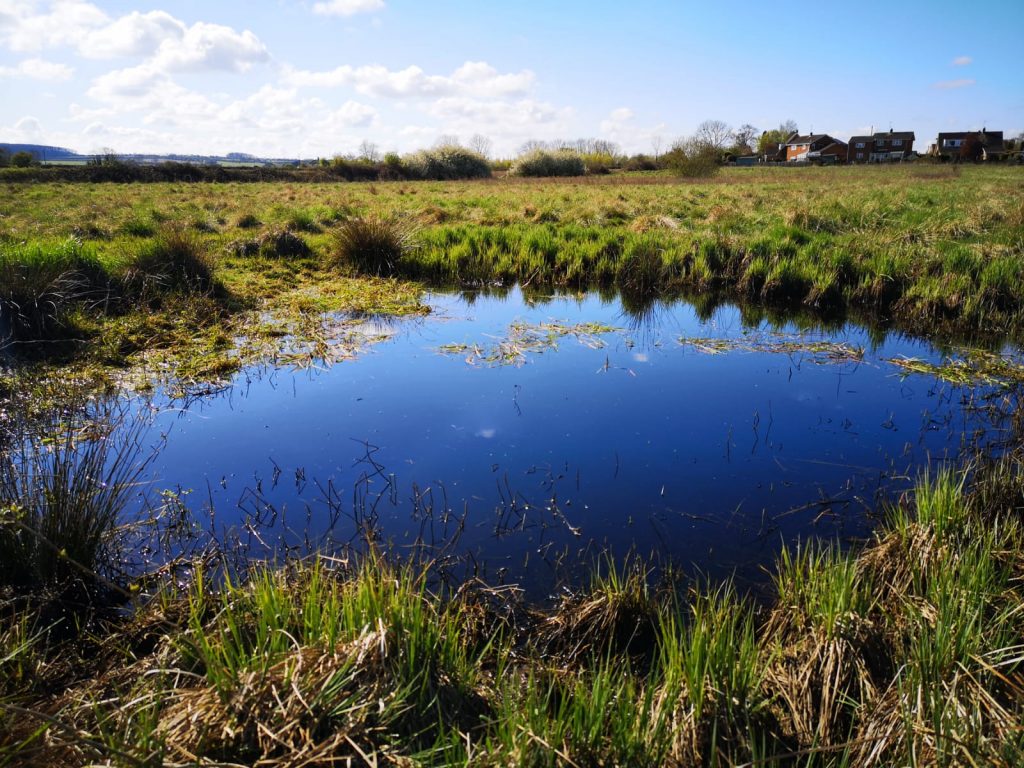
145, 640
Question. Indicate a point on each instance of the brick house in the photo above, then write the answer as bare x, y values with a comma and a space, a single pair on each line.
950, 146
815, 147
882, 147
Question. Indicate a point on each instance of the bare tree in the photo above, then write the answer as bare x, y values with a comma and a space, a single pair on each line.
480, 144
746, 137
788, 128
532, 145
447, 140
369, 152
105, 156
656, 143
714, 133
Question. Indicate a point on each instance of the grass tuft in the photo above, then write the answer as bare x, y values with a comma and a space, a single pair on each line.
40, 283
175, 261
61, 500
374, 245
273, 244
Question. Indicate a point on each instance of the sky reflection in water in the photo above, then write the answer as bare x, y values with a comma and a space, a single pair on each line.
644, 444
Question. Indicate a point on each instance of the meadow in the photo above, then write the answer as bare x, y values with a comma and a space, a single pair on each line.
907, 649
926, 249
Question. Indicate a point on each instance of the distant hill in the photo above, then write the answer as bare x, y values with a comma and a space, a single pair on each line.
46, 154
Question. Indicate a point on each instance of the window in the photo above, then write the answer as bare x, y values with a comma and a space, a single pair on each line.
860, 155
860, 145
952, 142
897, 142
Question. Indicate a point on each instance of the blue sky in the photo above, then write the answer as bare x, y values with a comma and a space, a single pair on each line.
319, 77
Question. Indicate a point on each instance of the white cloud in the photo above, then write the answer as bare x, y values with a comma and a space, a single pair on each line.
474, 78
962, 61
211, 46
621, 128
137, 34
122, 85
352, 114
28, 126
525, 112
22, 28
140, 105
947, 85
347, 7
616, 121
168, 42
27, 130
37, 69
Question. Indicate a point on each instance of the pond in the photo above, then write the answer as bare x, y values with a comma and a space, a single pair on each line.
529, 437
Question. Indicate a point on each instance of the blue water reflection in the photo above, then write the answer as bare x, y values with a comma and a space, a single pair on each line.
645, 445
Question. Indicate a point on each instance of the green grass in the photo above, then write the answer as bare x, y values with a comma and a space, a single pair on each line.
922, 249
374, 245
907, 652
40, 282
63, 491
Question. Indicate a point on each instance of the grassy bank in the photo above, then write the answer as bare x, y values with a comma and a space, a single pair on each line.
907, 652
925, 248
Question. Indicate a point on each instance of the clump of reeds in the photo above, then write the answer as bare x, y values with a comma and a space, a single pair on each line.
63, 491
248, 221
303, 220
272, 244
175, 261
641, 268
39, 283
373, 244
617, 614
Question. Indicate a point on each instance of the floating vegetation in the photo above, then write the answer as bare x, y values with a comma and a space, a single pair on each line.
975, 367
818, 351
327, 339
528, 338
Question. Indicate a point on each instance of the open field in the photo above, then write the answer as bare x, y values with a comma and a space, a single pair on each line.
927, 249
151, 642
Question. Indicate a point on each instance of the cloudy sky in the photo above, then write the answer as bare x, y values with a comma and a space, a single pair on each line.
315, 78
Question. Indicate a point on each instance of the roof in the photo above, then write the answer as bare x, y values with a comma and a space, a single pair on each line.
809, 139
987, 138
860, 138
902, 135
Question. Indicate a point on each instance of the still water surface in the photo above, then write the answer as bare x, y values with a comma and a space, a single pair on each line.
624, 440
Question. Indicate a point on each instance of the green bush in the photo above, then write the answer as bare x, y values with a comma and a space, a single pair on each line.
23, 159
541, 162
642, 163
693, 159
599, 163
447, 162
